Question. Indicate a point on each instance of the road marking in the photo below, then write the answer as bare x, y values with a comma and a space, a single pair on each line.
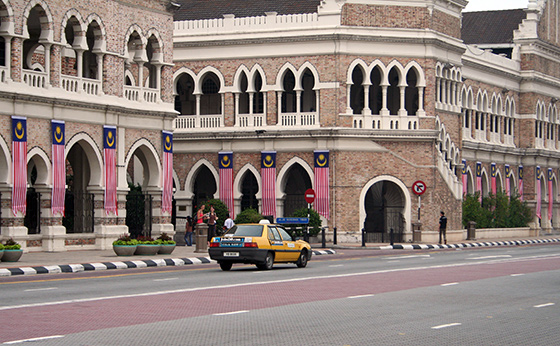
336, 265
446, 325
543, 305
168, 279
231, 313
517, 274
450, 284
33, 339
405, 257
41, 289
490, 257
362, 296
269, 282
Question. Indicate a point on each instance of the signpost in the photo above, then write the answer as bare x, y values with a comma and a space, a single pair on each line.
309, 198
419, 187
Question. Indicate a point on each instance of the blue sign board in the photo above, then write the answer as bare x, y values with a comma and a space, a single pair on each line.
292, 220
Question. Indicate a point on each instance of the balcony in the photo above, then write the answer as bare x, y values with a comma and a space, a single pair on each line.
386, 122
79, 85
35, 79
200, 122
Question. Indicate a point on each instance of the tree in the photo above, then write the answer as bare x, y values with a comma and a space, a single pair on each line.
314, 221
496, 211
248, 216
221, 211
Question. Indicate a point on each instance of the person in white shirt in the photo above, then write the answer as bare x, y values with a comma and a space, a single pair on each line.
228, 223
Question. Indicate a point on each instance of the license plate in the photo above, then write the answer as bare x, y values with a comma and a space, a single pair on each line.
231, 254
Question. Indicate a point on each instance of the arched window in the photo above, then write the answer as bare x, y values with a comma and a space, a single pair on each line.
185, 101
210, 100
357, 91
411, 92
308, 98
289, 94
393, 92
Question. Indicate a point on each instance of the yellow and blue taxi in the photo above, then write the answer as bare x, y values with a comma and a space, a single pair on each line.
262, 244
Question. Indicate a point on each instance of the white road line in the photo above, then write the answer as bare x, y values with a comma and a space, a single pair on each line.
543, 305
168, 279
361, 296
336, 265
450, 284
490, 257
446, 325
405, 257
269, 282
33, 339
231, 313
40, 289
517, 274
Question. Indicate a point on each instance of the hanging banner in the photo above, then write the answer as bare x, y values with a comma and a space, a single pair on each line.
493, 178
322, 200
58, 167
19, 165
539, 192
109, 151
464, 177
167, 171
268, 177
225, 164
508, 175
479, 180
550, 194
520, 173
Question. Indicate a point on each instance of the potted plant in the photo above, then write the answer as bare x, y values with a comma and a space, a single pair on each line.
147, 246
1, 250
12, 251
124, 245
167, 244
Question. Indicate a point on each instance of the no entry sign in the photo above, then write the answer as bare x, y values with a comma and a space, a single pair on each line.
310, 196
419, 187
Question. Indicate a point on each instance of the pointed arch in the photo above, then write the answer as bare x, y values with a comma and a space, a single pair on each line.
93, 155
283, 174
5, 162
191, 176
150, 160
38, 158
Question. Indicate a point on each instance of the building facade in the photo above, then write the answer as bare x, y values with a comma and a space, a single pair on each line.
393, 93
85, 93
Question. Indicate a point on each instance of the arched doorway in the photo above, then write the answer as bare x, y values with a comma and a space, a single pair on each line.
204, 187
384, 205
249, 190
297, 182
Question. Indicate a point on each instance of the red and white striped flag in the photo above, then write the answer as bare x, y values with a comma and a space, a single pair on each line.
464, 177
508, 184
19, 165
520, 183
322, 200
226, 180
109, 150
268, 176
539, 192
58, 167
479, 180
550, 194
167, 181
493, 178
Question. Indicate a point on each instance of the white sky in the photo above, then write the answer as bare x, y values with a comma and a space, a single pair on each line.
487, 5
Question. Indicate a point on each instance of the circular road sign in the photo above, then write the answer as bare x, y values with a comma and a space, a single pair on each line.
310, 196
419, 187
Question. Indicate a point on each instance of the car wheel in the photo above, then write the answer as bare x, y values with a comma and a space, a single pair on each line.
268, 262
302, 260
226, 266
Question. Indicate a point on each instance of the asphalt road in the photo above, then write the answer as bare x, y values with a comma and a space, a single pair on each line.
487, 296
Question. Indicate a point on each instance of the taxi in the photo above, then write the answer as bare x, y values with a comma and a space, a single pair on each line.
262, 244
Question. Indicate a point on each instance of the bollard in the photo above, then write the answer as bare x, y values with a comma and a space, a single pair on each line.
323, 242
363, 237
201, 231
392, 236
334, 236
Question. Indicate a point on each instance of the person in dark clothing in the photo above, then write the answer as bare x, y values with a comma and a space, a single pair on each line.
442, 227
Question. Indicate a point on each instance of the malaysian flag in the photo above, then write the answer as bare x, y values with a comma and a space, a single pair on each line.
479, 180
493, 178
464, 177
539, 192
322, 201
508, 186
58, 167
167, 181
19, 165
550, 194
226, 180
109, 150
520, 183
268, 176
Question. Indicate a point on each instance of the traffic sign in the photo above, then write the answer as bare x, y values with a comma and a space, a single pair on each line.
419, 187
310, 196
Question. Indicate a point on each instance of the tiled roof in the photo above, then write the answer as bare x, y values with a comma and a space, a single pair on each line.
210, 9
489, 27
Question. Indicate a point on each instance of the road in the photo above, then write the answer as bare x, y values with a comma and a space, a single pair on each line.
487, 296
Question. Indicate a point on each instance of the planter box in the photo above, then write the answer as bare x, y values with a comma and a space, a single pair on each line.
124, 250
147, 249
12, 255
166, 249
1, 253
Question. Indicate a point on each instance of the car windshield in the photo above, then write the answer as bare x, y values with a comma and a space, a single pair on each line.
246, 231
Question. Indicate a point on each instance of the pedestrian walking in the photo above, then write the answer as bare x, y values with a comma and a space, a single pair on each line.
442, 227
189, 231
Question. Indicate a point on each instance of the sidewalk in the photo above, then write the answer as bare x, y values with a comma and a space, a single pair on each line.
85, 260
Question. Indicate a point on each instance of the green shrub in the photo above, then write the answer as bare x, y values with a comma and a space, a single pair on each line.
1, 246
10, 244
496, 211
248, 216
145, 240
314, 223
165, 239
221, 211
125, 239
